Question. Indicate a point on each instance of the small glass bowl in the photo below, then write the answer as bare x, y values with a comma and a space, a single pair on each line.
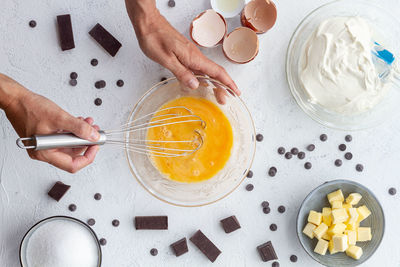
227, 179
387, 30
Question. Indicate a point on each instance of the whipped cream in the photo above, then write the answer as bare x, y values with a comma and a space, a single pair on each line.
336, 67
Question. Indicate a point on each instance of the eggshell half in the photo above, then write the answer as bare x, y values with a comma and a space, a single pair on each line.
259, 15
241, 45
208, 29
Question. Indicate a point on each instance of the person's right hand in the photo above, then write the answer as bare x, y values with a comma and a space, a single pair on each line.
32, 114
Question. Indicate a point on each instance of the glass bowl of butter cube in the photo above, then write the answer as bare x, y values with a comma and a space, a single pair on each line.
340, 223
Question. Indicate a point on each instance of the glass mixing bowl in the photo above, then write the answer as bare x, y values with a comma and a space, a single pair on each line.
227, 179
387, 30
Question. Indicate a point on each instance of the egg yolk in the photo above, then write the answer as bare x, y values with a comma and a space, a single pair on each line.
216, 137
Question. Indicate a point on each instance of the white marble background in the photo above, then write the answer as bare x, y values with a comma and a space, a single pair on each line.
33, 57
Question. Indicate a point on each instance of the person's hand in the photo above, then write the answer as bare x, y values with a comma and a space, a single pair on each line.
32, 114
165, 45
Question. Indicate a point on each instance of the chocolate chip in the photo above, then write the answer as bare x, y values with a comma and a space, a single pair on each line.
180, 247
359, 167
230, 224
249, 174
103, 241
273, 227
272, 171
259, 137
342, 147
65, 32
392, 191
275, 264
98, 101
288, 155
205, 245
294, 151
100, 84
97, 196
120, 83
266, 210
267, 252
249, 187
281, 209
32, 24
153, 252
105, 39
293, 258
281, 150
323, 137
301, 155
151, 222
73, 75
73, 82
115, 223
307, 165
91, 221
72, 207
348, 156
58, 190
171, 3
338, 162
311, 147
265, 204
348, 138
94, 62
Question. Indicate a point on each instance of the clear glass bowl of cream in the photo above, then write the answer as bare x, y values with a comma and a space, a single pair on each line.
227, 179
320, 72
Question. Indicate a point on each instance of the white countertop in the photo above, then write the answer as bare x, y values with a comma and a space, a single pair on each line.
33, 57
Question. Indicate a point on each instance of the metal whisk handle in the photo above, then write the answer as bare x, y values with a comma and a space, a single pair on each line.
51, 141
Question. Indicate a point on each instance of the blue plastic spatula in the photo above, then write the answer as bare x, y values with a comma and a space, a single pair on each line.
383, 60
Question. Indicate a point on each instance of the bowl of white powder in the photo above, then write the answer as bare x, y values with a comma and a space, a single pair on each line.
330, 65
60, 241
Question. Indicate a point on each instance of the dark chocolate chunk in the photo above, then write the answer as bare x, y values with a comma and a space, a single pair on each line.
171, 3
230, 224
205, 245
301, 155
265, 204
323, 137
275, 264
73, 82
338, 162
348, 156
311, 147
115, 223
342, 147
267, 252
94, 62
100, 84
32, 24
72, 207
392, 191
259, 137
105, 39
273, 227
73, 75
281, 150
153, 252
120, 83
249, 187
294, 151
151, 222
103, 241
359, 167
91, 221
65, 32
348, 138
266, 210
249, 174
58, 190
281, 209
98, 101
180, 247
288, 155
293, 258
97, 196
272, 171
307, 165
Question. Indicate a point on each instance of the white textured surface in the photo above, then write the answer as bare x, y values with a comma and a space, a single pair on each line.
33, 57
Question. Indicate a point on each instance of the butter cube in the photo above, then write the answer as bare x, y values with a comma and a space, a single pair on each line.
340, 242
353, 226
308, 230
336, 229
353, 198
337, 204
335, 196
353, 216
351, 237
320, 230
364, 234
339, 215
321, 247
363, 213
331, 248
327, 216
355, 252
315, 217
326, 236
346, 206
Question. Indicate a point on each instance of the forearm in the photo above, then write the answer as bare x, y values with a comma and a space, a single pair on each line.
10, 91
142, 14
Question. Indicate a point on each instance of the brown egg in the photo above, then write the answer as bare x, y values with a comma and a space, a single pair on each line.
259, 15
208, 29
241, 45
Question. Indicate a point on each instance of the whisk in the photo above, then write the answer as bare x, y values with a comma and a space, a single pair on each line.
159, 148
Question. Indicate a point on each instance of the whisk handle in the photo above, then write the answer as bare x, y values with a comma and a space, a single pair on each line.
51, 141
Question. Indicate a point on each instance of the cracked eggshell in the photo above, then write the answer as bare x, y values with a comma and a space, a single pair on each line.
241, 45
208, 29
259, 15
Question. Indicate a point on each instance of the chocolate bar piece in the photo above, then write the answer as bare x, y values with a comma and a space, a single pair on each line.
105, 39
151, 222
58, 190
65, 32
205, 245
180, 247
230, 224
267, 251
